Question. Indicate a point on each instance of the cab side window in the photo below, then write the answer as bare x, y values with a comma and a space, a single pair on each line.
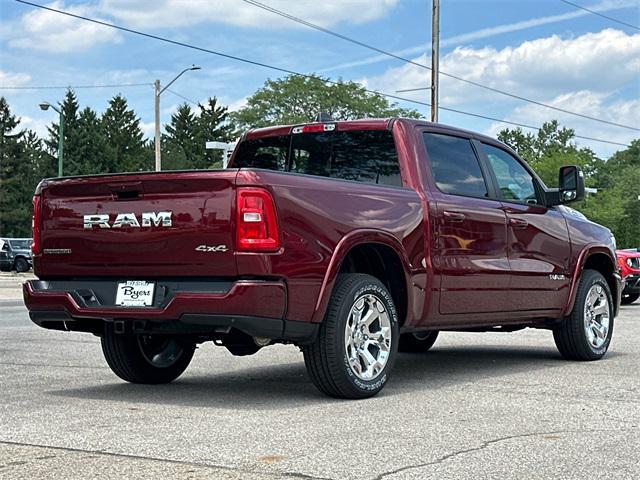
514, 181
454, 165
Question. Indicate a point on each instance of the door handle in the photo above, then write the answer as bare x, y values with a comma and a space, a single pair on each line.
453, 216
518, 223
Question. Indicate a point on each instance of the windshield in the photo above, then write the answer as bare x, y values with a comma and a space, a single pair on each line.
365, 155
22, 244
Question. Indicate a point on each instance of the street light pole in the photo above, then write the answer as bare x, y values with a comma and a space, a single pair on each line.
157, 92
45, 106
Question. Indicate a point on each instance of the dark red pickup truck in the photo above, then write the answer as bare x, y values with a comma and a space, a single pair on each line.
353, 240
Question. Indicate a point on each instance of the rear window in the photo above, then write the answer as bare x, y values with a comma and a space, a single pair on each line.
365, 156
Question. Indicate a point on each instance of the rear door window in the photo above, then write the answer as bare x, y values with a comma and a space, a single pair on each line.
454, 165
363, 155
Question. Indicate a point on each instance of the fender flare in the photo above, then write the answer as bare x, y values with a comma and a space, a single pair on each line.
344, 246
585, 253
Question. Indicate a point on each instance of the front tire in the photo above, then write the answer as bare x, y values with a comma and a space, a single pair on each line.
151, 359
586, 333
417, 342
21, 265
629, 298
358, 339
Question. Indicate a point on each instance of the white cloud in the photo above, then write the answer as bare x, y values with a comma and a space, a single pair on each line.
56, 33
38, 125
8, 79
148, 129
542, 68
595, 74
594, 104
181, 13
238, 104
487, 32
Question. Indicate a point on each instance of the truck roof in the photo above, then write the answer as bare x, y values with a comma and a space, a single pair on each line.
363, 124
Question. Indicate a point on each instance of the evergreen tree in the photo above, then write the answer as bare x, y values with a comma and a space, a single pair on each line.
91, 145
16, 176
181, 149
72, 161
213, 125
125, 150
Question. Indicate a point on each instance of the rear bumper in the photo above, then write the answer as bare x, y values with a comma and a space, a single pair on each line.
254, 307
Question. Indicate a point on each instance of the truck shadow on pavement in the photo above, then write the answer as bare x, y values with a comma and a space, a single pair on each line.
283, 386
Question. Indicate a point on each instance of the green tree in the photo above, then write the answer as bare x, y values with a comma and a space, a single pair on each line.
183, 144
21, 157
213, 125
297, 99
72, 161
181, 149
125, 148
89, 147
617, 202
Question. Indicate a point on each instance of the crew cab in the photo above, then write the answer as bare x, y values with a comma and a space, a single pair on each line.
629, 261
351, 239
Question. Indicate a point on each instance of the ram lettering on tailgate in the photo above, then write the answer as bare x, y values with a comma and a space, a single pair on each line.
148, 219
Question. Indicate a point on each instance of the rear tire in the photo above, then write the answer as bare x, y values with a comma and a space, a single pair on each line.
21, 265
630, 298
358, 340
417, 342
586, 333
150, 359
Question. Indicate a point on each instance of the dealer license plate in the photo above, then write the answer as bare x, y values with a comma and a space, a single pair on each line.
135, 293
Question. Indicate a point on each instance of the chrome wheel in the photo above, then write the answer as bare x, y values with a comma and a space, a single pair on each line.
368, 337
596, 316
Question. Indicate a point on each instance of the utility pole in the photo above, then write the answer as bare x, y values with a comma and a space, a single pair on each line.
157, 92
435, 58
157, 132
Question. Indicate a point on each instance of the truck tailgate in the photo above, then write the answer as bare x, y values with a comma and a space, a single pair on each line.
115, 226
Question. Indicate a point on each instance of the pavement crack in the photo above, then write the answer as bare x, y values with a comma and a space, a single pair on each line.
294, 475
456, 453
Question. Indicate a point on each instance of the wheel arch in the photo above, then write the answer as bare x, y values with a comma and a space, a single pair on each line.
376, 253
602, 260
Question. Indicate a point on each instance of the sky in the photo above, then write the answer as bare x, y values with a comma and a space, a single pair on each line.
544, 50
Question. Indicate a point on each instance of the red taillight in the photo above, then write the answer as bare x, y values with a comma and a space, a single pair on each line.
256, 222
35, 225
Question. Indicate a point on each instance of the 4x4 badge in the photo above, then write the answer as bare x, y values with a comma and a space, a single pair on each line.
211, 248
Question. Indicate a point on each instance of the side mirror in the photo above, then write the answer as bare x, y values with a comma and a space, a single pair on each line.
571, 183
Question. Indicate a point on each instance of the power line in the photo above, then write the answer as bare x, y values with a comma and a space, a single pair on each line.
422, 65
53, 87
600, 14
182, 97
281, 69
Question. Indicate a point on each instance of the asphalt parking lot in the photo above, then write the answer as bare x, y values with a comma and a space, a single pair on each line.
477, 406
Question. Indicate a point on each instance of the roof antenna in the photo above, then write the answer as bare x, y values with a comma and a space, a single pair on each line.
323, 117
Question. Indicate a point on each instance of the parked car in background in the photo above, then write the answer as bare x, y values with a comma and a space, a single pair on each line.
15, 254
629, 261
